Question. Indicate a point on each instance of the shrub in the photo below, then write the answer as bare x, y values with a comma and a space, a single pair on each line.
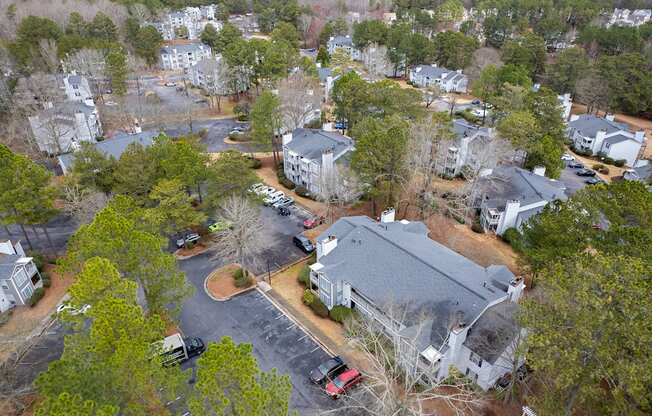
319, 308
601, 155
597, 166
302, 191
620, 163
203, 133
512, 237
38, 260
47, 282
313, 258
604, 170
36, 296
4, 316
609, 161
242, 278
308, 297
304, 276
340, 313
287, 183
476, 227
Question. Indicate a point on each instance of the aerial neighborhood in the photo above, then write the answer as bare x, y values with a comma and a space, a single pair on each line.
283, 207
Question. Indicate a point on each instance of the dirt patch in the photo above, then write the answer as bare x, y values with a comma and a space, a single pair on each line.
221, 284
484, 249
24, 319
185, 253
285, 285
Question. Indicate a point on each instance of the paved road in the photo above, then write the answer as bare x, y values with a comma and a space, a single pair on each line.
277, 341
217, 131
60, 230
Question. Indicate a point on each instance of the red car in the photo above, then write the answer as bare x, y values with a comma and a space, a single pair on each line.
343, 382
313, 222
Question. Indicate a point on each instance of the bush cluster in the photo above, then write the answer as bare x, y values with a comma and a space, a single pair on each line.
242, 278
283, 180
36, 296
340, 313
304, 276
315, 304
47, 282
512, 237
302, 191
476, 227
620, 163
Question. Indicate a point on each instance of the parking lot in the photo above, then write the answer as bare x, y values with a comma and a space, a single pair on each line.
277, 341
572, 181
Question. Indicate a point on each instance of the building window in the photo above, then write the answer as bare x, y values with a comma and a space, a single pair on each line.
472, 375
20, 277
27, 292
475, 359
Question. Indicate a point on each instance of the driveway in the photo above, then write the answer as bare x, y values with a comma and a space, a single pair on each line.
251, 317
59, 228
217, 131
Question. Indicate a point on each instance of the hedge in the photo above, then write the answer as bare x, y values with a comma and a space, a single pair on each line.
283, 180
47, 282
476, 227
308, 297
36, 296
304, 276
319, 308
340, 313
620, 163
255, 163
512, 237
302, 191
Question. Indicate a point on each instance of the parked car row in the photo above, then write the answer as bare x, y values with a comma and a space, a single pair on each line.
272, 197
336, 377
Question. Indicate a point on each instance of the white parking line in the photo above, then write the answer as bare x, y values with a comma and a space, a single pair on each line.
315, 349
279, 317
291, 326
303, 337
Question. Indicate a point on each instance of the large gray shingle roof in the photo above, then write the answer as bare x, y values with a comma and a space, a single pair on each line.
431, 71
588, 125
463, 128
396, 264
183, 48
114, 146
513, 183
7, 265
341, 40
493, 332
311, 143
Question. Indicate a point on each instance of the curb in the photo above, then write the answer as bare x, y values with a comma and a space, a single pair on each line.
215, 298
178, 257
297, 322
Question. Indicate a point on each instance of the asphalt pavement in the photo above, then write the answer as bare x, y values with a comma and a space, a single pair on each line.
572, 181
277, 341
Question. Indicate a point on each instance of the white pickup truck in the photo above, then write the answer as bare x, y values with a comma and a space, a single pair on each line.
175, 349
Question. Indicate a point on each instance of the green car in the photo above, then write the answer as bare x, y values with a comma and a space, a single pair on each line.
218, 226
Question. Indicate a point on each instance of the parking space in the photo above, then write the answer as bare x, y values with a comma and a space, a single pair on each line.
277, 341
572, 181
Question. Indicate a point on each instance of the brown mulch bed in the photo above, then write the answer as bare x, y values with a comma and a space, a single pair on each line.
221, 283
197, 249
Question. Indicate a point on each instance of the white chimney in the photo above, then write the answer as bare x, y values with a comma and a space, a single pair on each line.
138, 129
287, 138
388, 216
574, 117
639, 135
515, 289
326, 245
539, 170
609, 116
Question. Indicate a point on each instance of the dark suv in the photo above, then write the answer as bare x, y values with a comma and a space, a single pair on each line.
303, 243
327, 370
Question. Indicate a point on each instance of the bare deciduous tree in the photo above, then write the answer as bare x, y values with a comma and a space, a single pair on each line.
481, 58
430, 139
391, 387
300, 97
244, 239
430, 94
92, 64
338, 187
80, 203
593, 91
48, 48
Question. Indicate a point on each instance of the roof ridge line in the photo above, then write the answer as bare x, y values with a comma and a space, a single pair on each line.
426, 263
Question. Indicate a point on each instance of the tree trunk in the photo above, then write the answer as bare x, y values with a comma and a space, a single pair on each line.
199, 192
568, 408
47, 236
29, 242
35, 233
